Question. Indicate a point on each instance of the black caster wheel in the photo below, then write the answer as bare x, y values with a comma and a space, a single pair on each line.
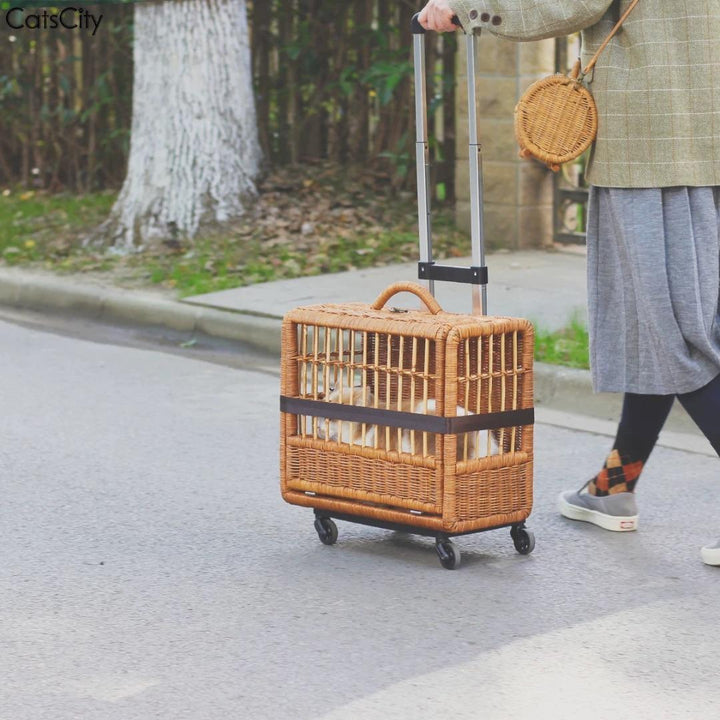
449, 555
327, 530
523, 539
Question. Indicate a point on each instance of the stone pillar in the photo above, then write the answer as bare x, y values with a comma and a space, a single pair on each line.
518, 193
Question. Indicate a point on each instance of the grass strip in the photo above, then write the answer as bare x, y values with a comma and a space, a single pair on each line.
568, 346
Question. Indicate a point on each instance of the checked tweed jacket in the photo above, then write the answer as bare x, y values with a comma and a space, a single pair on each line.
657, 85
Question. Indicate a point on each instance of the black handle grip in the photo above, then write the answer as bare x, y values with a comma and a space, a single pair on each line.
418, 29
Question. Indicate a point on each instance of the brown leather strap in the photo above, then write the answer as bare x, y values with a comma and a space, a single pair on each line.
595, 57
407, 420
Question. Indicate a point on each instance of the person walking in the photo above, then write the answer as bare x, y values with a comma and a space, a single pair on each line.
653, 235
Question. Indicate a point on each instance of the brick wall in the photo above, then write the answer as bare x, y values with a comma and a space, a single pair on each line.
518, 193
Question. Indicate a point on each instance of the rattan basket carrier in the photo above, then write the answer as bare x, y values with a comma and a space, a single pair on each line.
415, 417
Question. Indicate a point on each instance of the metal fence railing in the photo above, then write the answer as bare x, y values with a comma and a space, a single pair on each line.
570, 192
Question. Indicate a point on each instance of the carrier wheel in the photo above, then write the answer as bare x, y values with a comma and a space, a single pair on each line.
327, 530
449, 555
523, 539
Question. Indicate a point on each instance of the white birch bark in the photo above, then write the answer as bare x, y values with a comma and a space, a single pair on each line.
194, 151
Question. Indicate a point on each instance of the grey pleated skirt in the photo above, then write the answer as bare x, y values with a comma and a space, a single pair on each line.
654, 288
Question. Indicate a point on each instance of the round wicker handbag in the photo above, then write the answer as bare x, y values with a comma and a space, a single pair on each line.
556, 119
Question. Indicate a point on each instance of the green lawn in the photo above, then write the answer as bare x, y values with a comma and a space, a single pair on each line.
39, 228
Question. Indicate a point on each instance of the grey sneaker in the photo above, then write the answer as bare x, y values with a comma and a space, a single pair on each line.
613, 512
711, 554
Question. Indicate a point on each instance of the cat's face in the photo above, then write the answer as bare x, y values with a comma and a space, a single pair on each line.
349, 395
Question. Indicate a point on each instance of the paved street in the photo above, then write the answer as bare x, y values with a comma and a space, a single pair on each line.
151, 570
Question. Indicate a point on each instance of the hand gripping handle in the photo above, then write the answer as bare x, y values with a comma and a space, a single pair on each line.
418, 29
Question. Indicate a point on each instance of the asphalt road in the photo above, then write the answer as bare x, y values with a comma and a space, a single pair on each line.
151, 570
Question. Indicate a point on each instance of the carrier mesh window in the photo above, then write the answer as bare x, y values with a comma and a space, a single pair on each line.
491, 379
367, 369
398, 372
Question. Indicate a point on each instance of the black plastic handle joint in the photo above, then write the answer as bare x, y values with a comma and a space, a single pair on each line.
417, 28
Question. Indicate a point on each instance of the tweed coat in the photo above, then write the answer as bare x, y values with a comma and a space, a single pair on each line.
657, 85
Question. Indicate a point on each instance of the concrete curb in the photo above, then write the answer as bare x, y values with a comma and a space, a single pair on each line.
563, 389
44, 293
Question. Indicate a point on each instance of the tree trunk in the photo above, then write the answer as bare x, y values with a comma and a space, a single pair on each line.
194, 151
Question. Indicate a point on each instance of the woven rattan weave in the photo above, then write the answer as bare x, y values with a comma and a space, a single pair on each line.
396, 369
555, 120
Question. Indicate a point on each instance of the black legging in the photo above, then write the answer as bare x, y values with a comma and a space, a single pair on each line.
643, 416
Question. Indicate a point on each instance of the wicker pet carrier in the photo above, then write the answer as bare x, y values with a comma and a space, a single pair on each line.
417, 419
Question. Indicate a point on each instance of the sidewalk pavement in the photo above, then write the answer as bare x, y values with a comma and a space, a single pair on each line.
547, 287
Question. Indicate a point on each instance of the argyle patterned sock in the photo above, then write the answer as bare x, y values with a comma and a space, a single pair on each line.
619, 474
642, 419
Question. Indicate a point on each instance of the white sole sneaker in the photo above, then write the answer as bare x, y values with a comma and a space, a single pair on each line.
615, 523
711, 555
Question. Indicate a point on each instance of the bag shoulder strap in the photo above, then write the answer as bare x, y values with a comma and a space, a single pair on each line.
612, 34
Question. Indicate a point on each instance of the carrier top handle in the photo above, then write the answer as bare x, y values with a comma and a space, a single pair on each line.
428, 270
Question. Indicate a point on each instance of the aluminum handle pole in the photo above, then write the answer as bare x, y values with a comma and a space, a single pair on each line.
479, 292
422, 155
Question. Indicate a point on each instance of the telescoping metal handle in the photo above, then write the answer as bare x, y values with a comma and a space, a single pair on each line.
427, 269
